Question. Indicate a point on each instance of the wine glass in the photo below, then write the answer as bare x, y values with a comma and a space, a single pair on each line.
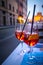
31, 39
19, 33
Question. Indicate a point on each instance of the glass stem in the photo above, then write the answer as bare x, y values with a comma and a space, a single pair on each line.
31, 50
22, 44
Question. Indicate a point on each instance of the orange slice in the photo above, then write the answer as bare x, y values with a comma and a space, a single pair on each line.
33, 36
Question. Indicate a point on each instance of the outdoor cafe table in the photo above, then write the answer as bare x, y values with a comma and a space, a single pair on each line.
16, 59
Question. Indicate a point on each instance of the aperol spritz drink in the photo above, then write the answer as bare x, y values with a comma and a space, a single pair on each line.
31, 39
19, 33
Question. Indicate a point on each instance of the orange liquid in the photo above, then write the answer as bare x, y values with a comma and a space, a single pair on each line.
19, 36
31, 39
26, 36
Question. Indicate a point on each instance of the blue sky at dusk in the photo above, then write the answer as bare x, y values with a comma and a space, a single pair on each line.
30, 7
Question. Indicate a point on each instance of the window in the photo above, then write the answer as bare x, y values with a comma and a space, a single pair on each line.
21, 4
14, 21
3, 3
13, 9
10, 21
9, 6
3, 12
17, 11
4, 20
10, 14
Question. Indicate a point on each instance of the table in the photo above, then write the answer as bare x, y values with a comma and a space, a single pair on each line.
15, 59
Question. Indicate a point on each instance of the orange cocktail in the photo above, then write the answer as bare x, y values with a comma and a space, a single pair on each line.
31, 39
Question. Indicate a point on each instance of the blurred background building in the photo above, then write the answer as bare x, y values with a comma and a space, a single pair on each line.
37, 18
10, 10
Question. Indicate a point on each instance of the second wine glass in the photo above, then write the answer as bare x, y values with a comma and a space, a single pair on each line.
19, 33
31, 39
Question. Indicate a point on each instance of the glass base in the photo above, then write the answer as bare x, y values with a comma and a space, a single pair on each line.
32, 57
31, 60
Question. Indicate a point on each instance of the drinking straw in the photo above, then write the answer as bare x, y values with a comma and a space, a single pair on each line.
25, 23
33, 18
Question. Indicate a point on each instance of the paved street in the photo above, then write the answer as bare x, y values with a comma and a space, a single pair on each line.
8, 43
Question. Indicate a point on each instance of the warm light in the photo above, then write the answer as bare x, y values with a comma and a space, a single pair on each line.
32, 43
21, 20
37, 18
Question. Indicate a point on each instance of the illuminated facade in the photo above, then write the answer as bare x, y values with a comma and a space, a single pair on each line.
38, 17
10, 10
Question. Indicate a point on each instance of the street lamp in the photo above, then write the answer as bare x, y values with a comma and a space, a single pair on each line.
20, 19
